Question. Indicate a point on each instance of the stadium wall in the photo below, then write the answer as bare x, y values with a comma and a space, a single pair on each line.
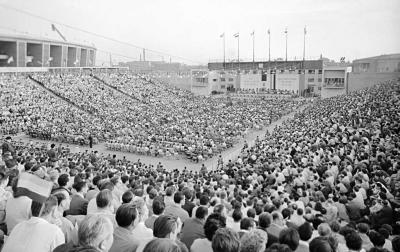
358, 81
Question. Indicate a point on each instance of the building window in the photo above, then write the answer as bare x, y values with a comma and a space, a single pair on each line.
319, 79
310, 79
222, 86
214, 80
320, 71
311, 71
222, 79
230, 79
263, 77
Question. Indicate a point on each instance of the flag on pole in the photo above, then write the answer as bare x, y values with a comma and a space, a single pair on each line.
305, 30
269, 32
236, 35
33, 187
222, 35
252, 34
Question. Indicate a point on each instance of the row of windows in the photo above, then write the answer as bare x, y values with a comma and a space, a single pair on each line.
313, 71
223, 79
312, 79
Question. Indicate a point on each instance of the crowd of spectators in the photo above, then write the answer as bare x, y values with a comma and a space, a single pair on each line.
131, 113
326, 180
28, 108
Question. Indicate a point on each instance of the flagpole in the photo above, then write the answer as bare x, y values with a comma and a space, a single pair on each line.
253, 48
224, 51
237, 36
286, 34
269, 46
304, 45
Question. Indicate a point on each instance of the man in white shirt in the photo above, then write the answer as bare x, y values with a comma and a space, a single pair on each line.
37, 234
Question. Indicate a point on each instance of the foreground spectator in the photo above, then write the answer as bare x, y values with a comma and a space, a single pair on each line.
225, 240
193, 228
127, 218
213, 223
95, 234
253, 241
37, 233
162, 245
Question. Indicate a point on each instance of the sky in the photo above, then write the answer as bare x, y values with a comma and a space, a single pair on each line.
189, 31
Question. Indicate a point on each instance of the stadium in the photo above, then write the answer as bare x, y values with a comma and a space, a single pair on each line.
108, 147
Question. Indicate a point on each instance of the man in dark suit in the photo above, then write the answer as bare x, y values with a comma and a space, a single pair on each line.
193, 228
79, 204
264, 221
158, 209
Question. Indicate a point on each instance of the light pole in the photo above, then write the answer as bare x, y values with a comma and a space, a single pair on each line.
286, 34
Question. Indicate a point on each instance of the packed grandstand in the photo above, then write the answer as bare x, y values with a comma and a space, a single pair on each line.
326, 179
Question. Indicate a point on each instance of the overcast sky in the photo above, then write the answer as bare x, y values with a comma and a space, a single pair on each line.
192, 29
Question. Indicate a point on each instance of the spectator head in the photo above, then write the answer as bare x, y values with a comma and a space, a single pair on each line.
126, 216
179, 198
335, 226
127, 196
169, 191
277, 218
254, 241
63, 180
247, 224
264, 220
237, 215
96, 231
188, 193
225, 240
290, 237
141, 207
353, 241
106, 185
201, 212
376, 238
384, 232
48, 208
323, 244
363, 228
396, 244
167, 226
162, 245
80, 187
305, 231
158, 207
104, 199
276, 247
204, 200
62, 201
220, 209
213, 223
324, 229
251, 213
